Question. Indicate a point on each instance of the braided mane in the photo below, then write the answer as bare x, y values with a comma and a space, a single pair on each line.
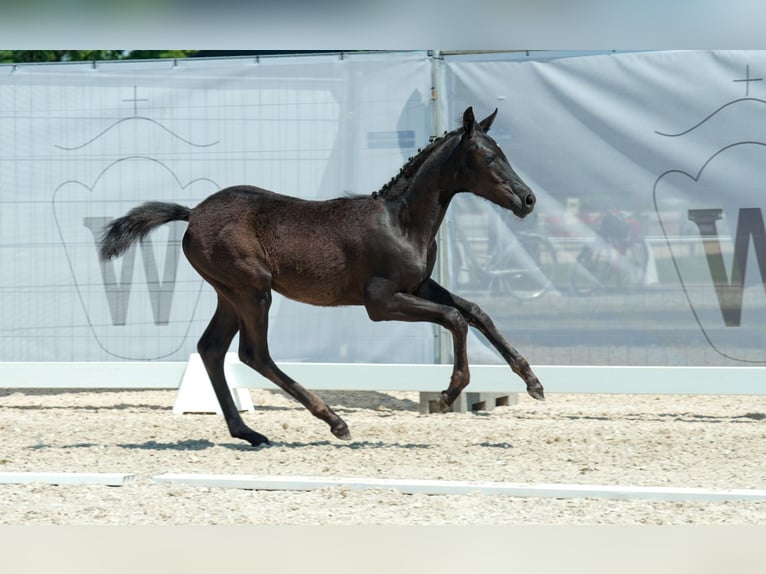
398, 184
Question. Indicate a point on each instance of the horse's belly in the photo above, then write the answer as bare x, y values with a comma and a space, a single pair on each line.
318, 285
319, 294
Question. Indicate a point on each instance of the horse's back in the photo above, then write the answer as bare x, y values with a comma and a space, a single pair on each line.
310, 249
263, 203
236, 199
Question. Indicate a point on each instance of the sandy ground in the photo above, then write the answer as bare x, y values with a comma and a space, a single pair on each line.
685, 441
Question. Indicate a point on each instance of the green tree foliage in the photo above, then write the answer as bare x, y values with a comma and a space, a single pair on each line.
23, 56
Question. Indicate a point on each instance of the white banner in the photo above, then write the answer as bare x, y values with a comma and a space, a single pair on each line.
80, 144
647, 246
649, 170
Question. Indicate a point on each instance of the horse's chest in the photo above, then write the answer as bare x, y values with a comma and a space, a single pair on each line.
408, 266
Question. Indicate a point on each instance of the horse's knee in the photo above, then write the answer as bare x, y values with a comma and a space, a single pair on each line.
476, 316
375, 312
456, 322
477, 313
378, 307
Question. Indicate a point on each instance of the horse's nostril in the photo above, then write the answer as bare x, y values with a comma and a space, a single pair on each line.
530, 200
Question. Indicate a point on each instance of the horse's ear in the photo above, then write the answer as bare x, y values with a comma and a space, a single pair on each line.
486, 123
469, 121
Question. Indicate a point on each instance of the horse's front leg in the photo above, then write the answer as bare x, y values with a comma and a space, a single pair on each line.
384, 303
476, 317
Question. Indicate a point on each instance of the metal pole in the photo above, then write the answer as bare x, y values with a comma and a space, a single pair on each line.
442, 349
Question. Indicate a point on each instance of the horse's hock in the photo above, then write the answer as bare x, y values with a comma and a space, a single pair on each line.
467, 402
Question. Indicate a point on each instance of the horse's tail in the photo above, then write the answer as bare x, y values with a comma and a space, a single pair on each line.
122, 232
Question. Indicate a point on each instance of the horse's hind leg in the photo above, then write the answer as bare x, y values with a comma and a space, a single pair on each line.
212, 348
254, 352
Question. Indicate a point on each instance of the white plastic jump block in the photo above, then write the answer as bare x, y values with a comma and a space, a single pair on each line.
102, 478
466, 402
613, 492
196, 395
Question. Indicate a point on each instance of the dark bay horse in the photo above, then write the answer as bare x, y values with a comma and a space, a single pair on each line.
377, 251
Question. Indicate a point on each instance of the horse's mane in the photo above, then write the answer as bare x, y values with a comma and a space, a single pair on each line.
398, 184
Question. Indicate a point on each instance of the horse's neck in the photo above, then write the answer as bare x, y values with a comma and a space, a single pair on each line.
421, 198
422, 207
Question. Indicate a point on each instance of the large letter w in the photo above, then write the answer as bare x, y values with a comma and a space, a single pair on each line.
729, 291
160, 291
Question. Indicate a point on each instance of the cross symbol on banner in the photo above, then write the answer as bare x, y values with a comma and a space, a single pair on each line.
135, 100
748, 79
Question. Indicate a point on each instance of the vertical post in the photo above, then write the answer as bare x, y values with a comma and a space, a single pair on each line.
442, 346
349, 122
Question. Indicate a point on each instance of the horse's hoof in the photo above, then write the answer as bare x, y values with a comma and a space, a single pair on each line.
444, 404
255, 439
341, 432
536, 392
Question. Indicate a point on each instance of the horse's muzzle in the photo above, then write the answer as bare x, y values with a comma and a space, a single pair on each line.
523, 203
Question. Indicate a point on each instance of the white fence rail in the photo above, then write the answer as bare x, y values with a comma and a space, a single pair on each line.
390, 377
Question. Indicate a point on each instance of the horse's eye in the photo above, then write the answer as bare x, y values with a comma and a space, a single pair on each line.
489, 159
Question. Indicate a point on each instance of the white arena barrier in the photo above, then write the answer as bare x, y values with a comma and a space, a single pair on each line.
415, 486
195, 393
55, 478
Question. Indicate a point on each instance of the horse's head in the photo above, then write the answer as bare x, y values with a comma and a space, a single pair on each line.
484, 170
